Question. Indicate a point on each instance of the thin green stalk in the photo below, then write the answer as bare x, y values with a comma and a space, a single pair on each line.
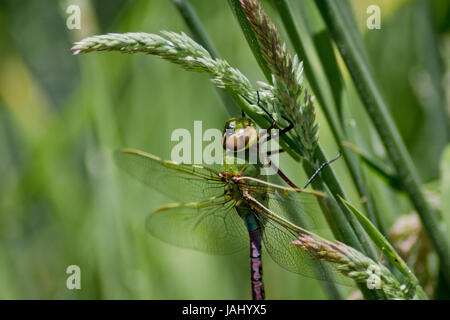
389, 252
336, 17
335, 219
384, 172
251, 38
332, 182
318, 79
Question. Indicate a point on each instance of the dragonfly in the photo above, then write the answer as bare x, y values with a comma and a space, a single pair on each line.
225, 208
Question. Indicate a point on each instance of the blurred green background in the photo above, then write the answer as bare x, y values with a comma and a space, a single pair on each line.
62, 200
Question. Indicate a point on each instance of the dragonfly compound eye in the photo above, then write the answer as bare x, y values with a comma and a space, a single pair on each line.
240, 139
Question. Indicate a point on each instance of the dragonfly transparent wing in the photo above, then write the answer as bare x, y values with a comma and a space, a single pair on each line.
277, 240
181, 182
213, 226
301, 209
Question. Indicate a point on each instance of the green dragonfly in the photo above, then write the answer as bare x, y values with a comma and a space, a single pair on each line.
223, 208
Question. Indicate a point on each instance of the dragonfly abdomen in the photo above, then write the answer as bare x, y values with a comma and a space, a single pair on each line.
256, 265
255, 235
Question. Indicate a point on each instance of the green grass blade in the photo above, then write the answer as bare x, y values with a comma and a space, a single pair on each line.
236, 7
445, 186
370, 94
325, 79
382, 171
304, 44
383, 244
253, 43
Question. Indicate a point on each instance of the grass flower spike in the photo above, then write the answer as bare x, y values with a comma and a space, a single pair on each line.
287, 76
353, 264
175, 47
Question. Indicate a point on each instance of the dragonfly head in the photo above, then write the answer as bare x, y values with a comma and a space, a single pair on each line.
239, 134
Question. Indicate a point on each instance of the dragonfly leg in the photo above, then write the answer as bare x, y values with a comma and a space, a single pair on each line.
274, 123
323, 165
282, 132
290, 183
282, 175
269, 153
242, 170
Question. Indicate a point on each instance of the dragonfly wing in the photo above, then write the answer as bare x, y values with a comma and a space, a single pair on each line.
277, 240
213, 227
299, 207
181, 182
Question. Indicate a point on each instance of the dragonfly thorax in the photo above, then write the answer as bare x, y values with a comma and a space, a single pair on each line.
235, 183
232, 189
240, 142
